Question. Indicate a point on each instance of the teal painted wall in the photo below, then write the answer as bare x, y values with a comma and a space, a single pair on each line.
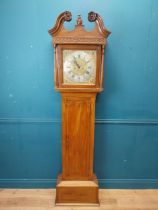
126, 137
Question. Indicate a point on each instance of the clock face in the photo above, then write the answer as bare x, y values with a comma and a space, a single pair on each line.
79, 67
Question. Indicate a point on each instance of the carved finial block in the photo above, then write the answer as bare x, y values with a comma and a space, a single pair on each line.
79, 20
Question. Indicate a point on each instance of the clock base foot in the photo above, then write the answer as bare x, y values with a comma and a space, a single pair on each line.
77, 192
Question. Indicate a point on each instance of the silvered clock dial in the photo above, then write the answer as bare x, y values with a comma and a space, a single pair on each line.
79, 67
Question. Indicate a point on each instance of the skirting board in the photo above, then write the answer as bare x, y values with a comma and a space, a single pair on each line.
103, 183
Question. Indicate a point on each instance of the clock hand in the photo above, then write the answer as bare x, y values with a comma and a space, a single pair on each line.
76, 63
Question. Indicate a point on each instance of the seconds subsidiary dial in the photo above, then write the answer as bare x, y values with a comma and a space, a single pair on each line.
79, 67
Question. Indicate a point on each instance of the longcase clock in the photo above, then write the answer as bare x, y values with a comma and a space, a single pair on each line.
78, 70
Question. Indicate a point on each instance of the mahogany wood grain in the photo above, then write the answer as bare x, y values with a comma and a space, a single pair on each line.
78, 112
77, 192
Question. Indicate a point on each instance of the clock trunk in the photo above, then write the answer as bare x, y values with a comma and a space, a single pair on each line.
78, 113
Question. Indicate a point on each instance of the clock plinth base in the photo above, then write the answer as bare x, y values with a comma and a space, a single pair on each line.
75, 192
